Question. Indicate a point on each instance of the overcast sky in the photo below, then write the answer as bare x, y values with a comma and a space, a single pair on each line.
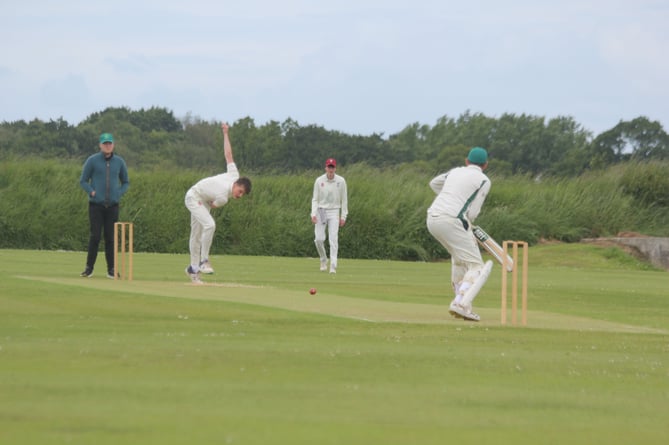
357, 66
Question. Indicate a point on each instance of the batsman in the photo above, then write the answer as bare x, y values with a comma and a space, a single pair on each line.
461, 192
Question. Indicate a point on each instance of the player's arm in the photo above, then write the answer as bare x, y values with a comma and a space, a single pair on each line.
314, 202
437, 183
85, 179
477, 203
227, 147
344, 204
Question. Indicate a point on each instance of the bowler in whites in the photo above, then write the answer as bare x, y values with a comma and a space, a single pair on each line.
329, 209
210, 193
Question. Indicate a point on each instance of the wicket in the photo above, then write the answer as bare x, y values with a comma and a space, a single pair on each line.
514, 282
125, 272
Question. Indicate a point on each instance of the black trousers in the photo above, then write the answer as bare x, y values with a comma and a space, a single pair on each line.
102, 219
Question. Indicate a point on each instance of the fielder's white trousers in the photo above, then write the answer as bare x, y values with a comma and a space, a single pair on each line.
466, 260
202, 227
327, 218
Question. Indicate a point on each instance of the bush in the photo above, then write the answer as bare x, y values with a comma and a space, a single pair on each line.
43, 207
647, 182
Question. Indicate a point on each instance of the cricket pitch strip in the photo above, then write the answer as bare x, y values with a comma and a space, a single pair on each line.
330, 304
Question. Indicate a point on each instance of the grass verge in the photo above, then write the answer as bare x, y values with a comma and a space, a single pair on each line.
373, 357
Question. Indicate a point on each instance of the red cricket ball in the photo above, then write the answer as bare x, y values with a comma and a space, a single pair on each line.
312, 291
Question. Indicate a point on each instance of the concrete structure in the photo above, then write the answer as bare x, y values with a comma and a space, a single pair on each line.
655, 250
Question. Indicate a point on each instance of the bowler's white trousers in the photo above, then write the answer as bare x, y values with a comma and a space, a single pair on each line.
202, 228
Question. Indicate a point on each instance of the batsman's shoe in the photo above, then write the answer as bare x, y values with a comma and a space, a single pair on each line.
87, 273
194, 276
452, 309
110, 274
463, 312
324, 266
205, 267
333, 268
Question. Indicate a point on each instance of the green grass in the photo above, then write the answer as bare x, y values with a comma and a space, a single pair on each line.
372, 358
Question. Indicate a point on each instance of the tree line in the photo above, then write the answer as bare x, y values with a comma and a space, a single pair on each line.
154, 139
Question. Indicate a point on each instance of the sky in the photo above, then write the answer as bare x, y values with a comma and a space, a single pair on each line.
356, 66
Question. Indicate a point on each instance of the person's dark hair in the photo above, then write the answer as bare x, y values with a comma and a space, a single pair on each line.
244, 182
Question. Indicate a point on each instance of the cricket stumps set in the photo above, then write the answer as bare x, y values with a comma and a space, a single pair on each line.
123, 248
507, 256
515, 246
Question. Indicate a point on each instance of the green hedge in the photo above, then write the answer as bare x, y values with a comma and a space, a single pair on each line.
43, 207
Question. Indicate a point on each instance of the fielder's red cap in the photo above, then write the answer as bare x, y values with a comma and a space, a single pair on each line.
331, 162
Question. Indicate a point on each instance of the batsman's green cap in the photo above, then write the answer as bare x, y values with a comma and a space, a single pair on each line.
477, 155
106, 137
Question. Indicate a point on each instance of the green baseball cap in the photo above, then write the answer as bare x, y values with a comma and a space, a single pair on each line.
477, 155
106, 137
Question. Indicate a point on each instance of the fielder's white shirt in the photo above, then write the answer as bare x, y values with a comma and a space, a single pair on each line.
460, 192
217, 189
329, 195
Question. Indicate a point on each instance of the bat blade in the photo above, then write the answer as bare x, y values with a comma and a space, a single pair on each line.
492, 247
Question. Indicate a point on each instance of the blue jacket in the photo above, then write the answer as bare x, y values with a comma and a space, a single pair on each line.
108, 177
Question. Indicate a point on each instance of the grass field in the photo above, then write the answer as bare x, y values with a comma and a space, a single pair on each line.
372, 358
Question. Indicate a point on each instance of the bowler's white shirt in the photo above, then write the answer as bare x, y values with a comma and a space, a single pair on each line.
217, 189
460, 192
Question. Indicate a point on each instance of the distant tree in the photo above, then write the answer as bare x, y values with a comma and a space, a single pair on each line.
518, 144
155, 119
638, 139
408, 143
472, 129
108, 114
372, 149
647, 139
257, 148
454, 156
306, 147
516, 140
564, 147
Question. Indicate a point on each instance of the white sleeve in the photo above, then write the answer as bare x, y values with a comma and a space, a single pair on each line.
344, 200
475, 207
314, 199
437, 183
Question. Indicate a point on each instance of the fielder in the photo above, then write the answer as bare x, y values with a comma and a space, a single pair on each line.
210, 193
329, 208
460, 195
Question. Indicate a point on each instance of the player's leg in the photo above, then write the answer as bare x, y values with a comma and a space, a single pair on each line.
333, 237
442, 229
201, 219
208, 227
319, 239
458, 271
195, 242
468, 272
95, 233
110, 217
478, 278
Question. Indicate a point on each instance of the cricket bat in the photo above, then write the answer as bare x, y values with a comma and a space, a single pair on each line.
491, 246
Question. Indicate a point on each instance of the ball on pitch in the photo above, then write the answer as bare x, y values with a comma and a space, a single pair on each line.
312, 291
